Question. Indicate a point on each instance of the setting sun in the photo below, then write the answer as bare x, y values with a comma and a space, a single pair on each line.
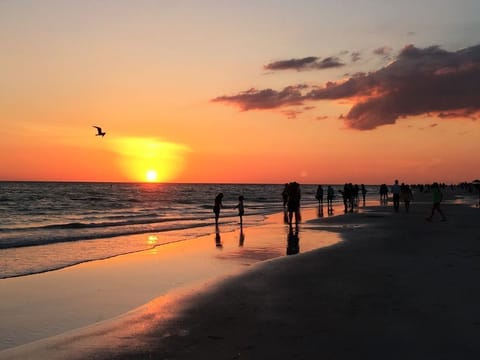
150, 159
151, 175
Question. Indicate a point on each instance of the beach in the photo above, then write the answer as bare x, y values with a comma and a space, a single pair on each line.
395, 286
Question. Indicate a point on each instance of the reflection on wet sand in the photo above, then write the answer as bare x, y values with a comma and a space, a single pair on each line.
293, 241
241, 237
218, 239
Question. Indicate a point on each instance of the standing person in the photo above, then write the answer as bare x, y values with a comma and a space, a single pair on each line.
241, 209
396, 195
319, 195
285, 195
437, 198
383, 194
330, 196
217, 205
364, 193
285, 200
406, 195
293, 203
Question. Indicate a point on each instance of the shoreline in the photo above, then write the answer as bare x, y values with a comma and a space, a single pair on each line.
91, 292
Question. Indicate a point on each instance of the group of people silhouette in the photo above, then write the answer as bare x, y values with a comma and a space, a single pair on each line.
350, 193
218, 205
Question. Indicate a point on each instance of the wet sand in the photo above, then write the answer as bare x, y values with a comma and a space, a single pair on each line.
397, 287
42, 305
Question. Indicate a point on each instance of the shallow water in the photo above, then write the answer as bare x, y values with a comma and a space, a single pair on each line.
42, 305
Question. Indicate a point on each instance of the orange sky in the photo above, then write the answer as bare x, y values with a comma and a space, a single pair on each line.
147, 72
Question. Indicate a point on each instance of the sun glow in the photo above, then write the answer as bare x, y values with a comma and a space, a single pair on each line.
150, 160
151, 175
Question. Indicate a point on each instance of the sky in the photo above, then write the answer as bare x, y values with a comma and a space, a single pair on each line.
251, 91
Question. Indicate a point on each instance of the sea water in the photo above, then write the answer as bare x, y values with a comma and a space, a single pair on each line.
51, 225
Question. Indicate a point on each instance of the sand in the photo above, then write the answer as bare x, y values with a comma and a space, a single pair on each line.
396, 287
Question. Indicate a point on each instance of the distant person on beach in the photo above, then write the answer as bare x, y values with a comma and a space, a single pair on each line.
406, 196
241, 209
217, 206
437, 198
319, 195
293, 202
396, 195
348, 196
363, 189
383, 194
330, 196
285, 195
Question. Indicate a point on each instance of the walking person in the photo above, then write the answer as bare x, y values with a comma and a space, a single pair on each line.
437, 198
406, 195
217, 205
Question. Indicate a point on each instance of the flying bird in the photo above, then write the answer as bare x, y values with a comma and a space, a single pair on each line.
99, 131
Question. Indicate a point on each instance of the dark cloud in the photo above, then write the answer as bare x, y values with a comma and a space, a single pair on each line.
419, 81
265, 99
307, 63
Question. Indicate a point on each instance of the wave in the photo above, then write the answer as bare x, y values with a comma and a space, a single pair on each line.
36, 238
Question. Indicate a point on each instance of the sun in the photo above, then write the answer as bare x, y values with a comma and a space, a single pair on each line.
151, 175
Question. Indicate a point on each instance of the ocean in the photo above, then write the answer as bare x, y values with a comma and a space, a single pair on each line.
46, 226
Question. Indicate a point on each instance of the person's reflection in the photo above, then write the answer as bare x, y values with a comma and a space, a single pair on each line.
218, 239
330, 211
241, 238
293, 241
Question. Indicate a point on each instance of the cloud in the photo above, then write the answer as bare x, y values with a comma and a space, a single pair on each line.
356, 55
307, 63
265, 99
384, 51
419, 81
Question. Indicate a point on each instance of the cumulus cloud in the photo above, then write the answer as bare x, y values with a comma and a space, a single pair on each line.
419, 81
303, 64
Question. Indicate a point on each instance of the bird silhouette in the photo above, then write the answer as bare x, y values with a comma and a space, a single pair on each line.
99, 131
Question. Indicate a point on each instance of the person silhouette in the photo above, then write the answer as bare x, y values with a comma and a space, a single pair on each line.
406, 195
319, 195
363, 189
396, 196
437, 198
217, 206
241, 209
293, 202
285, 201
330, 196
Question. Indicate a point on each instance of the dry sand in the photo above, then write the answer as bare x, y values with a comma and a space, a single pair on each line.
398, 287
